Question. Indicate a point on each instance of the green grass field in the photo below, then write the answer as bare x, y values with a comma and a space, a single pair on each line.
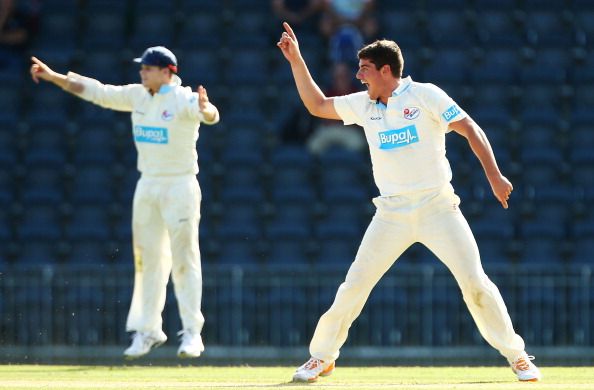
131, 377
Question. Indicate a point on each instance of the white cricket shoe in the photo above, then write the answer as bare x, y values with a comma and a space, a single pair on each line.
312, 369
191, 344
143, 342
525, 369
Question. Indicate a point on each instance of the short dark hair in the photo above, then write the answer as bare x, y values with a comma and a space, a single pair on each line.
384, 52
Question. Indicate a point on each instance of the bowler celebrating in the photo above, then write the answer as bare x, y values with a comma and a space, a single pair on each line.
405, 124
166, 206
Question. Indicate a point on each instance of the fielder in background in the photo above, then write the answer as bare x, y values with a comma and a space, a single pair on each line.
166, 206
405, 124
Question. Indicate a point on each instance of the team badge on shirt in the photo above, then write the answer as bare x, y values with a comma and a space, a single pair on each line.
166, 116
411, 113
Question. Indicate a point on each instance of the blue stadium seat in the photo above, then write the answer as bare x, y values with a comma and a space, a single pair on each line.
89, 222
449, 66
43, 185
583, 242
249, 30
541, 242
288, 243
448, 28
496, 28
582, 166
239, 212
402, 26
105, 65
105, 28
346, 205
152, 27
58, 29
7, 192
546, 27
87, 251
551, 203
337, 243
239, 244
542, 73
253, 68
541, 166
92, 184
41, 222
493, 241
5, 230
36, 252
342, 169
303, 200
198, 65
46, 143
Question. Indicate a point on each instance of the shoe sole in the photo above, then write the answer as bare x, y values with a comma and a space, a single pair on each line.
185, 355
155, 345
311, 380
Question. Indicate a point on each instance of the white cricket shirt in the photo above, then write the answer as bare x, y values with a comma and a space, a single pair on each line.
407, 137
164, 125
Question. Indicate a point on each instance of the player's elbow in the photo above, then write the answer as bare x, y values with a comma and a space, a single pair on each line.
322, 109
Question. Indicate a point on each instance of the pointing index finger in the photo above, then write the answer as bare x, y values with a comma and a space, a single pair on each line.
289, 30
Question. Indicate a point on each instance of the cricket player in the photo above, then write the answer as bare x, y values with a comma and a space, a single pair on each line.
405, 124
166, 206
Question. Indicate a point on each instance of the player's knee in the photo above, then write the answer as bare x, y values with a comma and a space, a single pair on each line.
475, 289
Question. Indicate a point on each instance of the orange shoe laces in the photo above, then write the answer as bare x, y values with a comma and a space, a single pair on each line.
312, 364
522, 364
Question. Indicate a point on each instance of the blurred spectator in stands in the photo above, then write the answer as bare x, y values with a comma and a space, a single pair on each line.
18, 23
300, 13
329, 134
347, 24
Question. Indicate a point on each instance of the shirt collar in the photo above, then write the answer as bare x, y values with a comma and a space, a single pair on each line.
165, 88
404, 85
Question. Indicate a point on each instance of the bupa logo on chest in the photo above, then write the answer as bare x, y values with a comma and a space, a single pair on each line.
398, 138
151, 135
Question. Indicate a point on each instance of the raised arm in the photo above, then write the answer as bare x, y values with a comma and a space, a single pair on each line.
40, 71
208, 110
312, 96
481, 147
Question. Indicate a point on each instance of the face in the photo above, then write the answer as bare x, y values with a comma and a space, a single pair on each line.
153, 77
371, 77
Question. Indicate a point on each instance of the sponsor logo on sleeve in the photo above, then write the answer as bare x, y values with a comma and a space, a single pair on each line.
398, 138
411, 113
151, 135
451, 113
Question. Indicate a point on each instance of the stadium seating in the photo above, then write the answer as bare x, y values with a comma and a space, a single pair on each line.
523, 69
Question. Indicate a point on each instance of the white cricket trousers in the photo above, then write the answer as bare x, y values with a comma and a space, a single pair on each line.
165, 218
433, 219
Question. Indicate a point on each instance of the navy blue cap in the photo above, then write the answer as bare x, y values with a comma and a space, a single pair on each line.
158, 56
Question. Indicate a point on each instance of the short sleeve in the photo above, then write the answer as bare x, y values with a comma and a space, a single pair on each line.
443, 107
351, 107
190, 107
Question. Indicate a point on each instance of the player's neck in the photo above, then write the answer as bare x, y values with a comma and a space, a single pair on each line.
391, 86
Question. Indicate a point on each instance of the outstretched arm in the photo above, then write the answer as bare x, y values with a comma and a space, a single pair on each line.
481, 147
312, 96
40, 71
